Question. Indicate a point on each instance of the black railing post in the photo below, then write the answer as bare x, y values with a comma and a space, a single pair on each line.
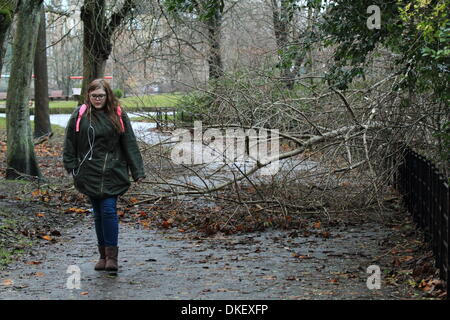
426, 195
158, 118
446, 239
409, 177
444, 230
430, 203
420, 193
428, 199
437, 218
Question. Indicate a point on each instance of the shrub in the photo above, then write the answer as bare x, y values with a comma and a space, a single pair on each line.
118, 93
193, 106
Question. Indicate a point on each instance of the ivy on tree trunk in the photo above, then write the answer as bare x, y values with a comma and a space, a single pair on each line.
6, 18
20, 158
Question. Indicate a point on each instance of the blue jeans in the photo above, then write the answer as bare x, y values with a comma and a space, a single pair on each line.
106, 221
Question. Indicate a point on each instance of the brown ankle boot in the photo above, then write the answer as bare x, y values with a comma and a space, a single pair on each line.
111, 258
102, 261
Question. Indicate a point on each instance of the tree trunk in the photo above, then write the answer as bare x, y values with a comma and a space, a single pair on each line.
214, 57
282, 15
41, 109
6, 18
95, 45
20, 156
312, 18
97, 37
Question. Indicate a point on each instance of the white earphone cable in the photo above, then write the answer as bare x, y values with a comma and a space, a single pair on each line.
91, 146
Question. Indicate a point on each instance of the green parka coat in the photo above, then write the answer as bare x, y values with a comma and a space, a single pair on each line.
113, 154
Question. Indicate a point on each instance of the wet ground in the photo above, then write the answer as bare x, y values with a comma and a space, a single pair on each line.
157, 264
168, 264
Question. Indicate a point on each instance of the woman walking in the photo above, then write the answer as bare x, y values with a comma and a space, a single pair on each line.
99, 148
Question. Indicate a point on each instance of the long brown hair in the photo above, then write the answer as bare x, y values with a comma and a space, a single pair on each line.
110, 104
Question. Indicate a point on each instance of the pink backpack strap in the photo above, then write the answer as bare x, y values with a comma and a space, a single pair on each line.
119, 113
80, 114
83, 110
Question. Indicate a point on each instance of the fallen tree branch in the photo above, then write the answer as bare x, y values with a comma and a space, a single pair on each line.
43, 138
312, 141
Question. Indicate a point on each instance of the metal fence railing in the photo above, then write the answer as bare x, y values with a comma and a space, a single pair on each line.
426, 195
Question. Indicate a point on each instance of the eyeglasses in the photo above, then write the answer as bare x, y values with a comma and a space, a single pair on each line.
98, 96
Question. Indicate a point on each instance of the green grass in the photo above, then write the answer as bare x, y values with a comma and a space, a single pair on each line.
8, 224
63, 104
6, 227
129, 103
58, 130
5, 257
157, 100
9, 252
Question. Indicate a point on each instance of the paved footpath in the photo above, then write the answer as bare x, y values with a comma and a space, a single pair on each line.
157, 264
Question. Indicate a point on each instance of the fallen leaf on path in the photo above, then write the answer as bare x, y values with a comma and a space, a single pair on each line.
40, 214
299, 256
7, 282
84, 293
430, 284
76, 210
48, 238
167, 223
406, 258
33, 262
333, 280
39, 274
36, 193
325, 234
143, 214
133, 200
144, 224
